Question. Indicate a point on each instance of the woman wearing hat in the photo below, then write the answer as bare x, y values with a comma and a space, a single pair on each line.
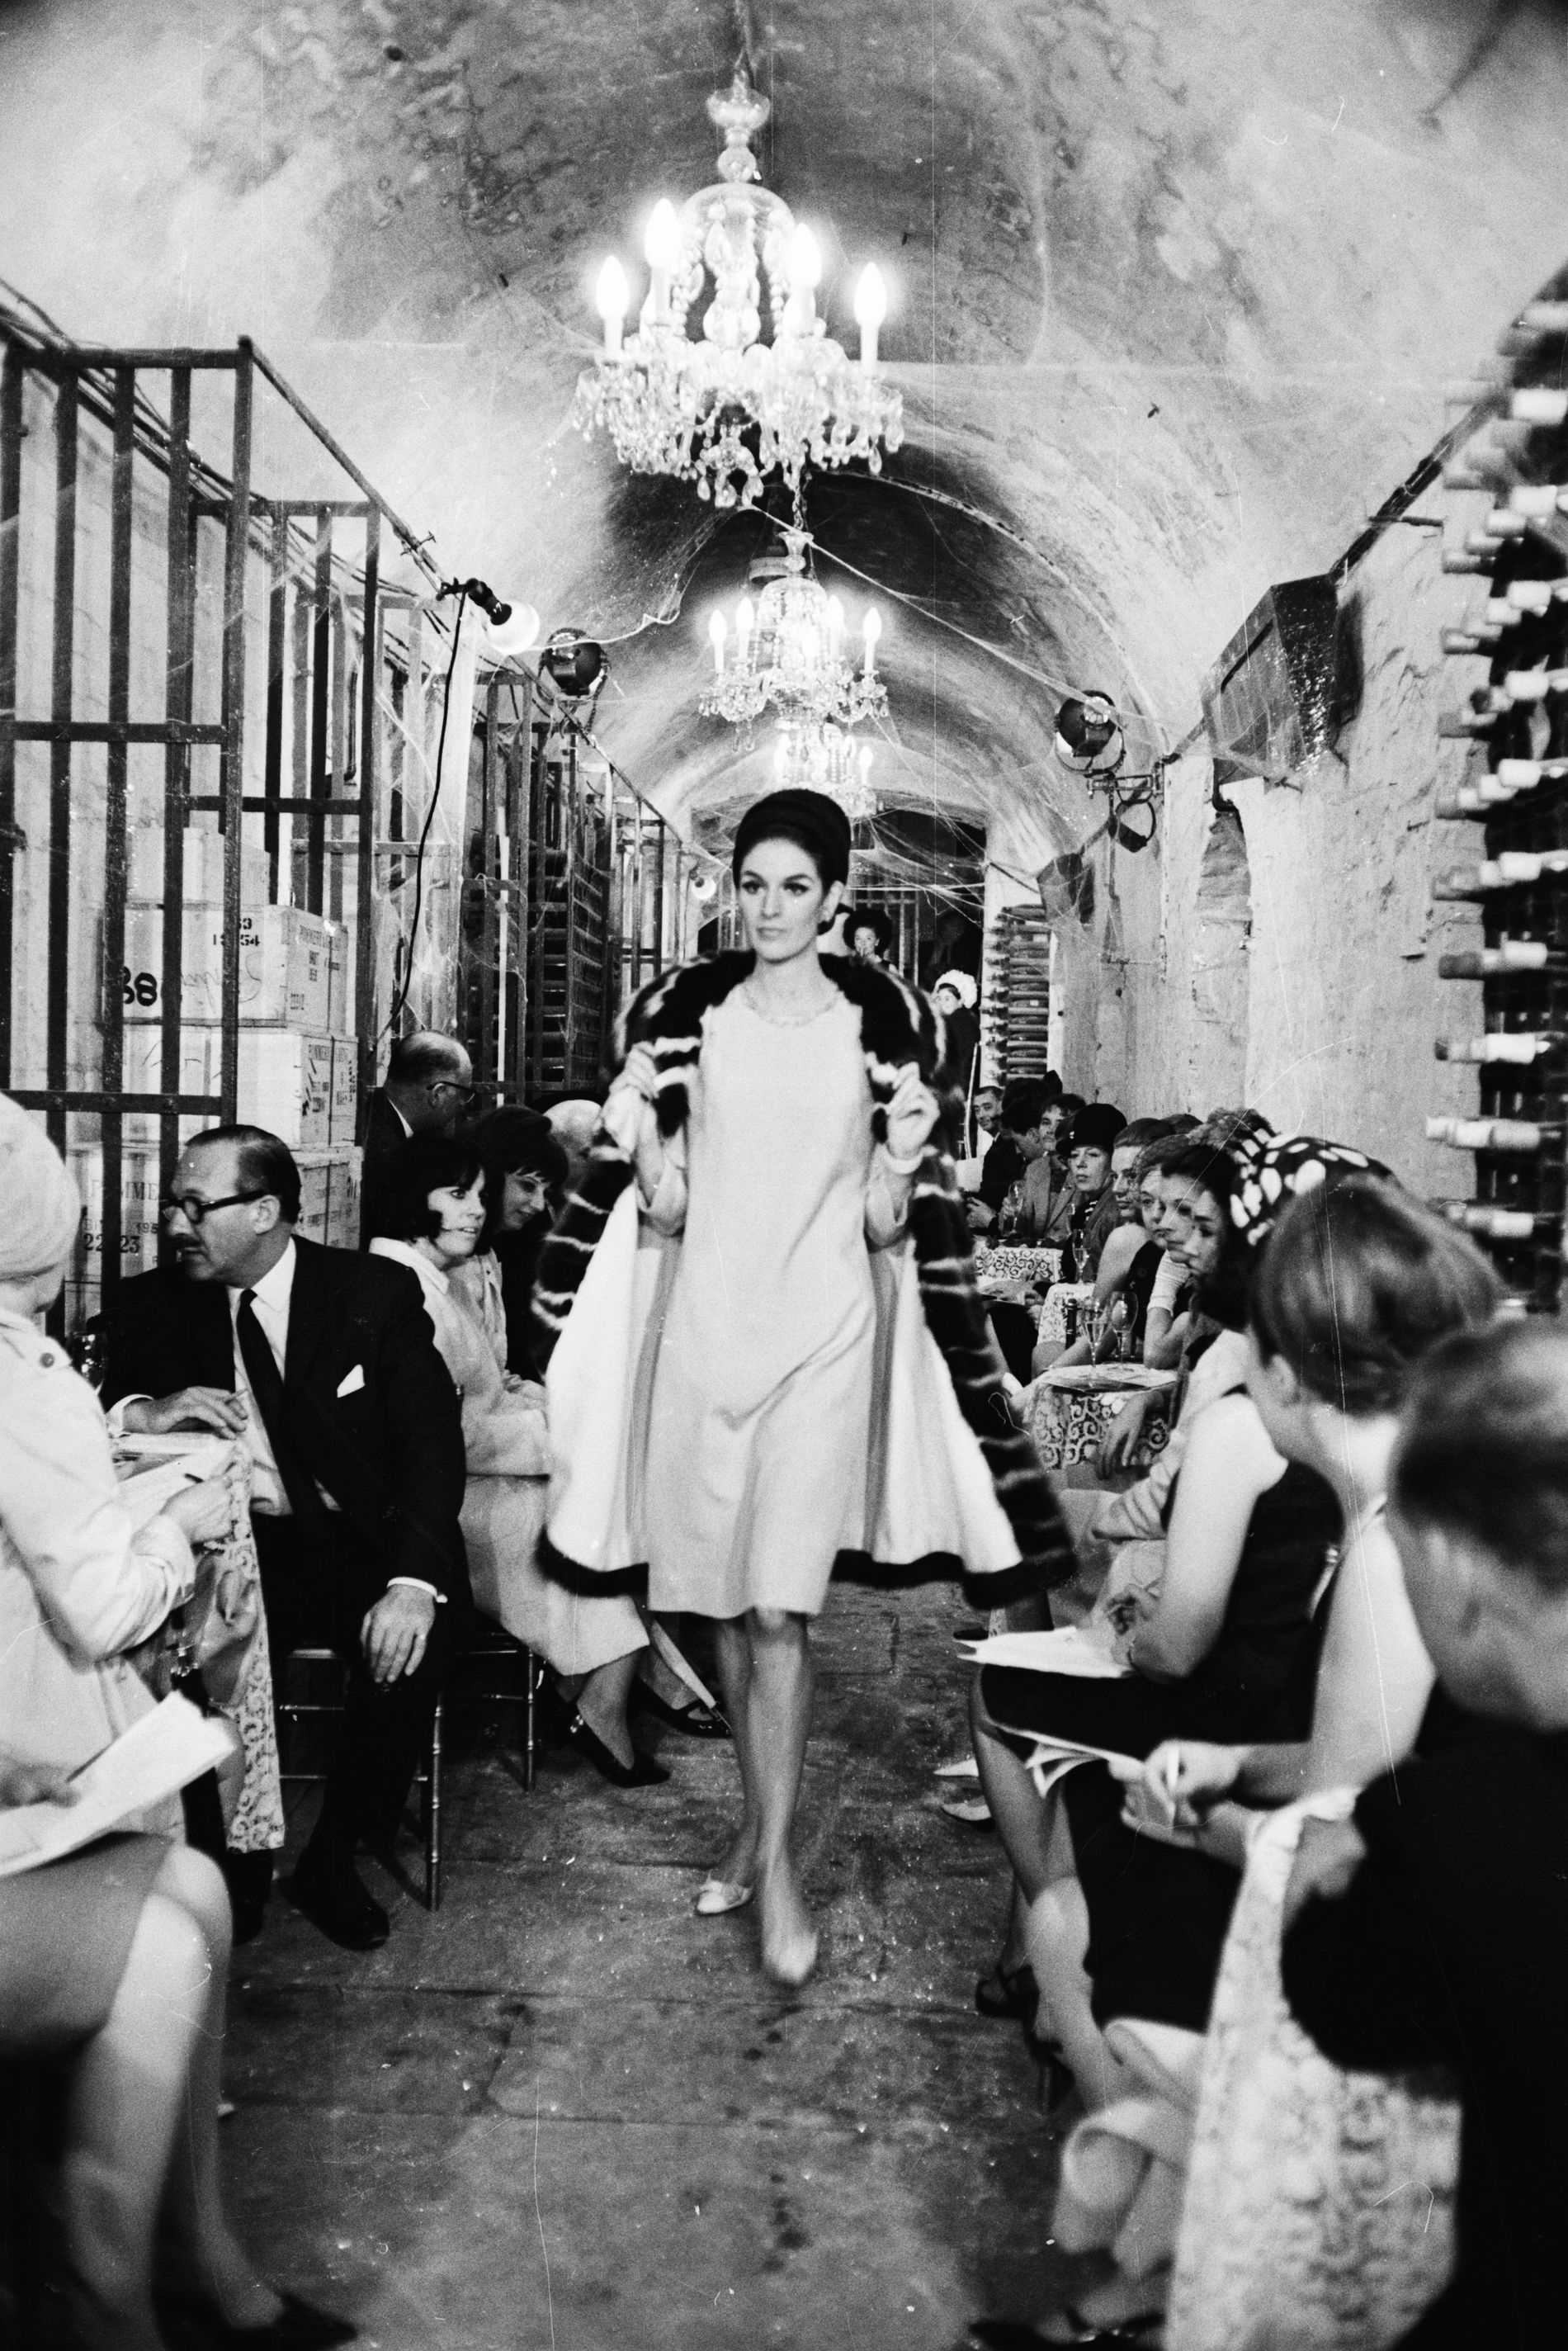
798, 1387
114, 1959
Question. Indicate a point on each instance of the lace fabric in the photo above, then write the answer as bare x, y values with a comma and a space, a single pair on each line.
1319, 2213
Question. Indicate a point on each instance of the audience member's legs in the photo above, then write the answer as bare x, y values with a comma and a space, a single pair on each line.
1055, 1939
129, 2097
1026, 1826
382, 1734
601, 1699
320, 1601
778, 1721
207, 2259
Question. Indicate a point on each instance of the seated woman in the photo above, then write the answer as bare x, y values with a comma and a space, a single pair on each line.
1247, 1536
1354, 1287
113, 1961
1130, 1256
525, 1174
1351, 1293
433, 1217
1190, 1226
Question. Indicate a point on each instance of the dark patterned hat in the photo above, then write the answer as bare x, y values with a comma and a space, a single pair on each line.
1272, 1170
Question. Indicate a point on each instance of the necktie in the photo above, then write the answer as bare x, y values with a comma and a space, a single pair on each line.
266, 1386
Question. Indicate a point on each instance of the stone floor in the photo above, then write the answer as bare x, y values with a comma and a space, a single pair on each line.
564, 2115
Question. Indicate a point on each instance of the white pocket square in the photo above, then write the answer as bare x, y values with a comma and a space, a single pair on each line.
352, 1382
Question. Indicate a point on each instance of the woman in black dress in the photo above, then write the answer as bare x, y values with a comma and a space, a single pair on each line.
1247, 1535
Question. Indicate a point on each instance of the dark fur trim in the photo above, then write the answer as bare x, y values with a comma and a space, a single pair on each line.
997, 1590
592, 1582
577, 1233
957, 1319
897, 1026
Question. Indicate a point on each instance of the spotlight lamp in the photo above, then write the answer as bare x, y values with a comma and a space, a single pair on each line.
1089, 740
510, 628
1089, 736
575, 665
704, 885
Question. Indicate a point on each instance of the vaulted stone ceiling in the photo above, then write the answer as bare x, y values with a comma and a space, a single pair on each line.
1177, 287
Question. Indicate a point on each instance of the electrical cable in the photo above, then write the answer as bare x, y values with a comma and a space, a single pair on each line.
400, 1001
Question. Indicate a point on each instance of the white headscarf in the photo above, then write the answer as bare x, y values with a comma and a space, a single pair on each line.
962, 986
40, 1207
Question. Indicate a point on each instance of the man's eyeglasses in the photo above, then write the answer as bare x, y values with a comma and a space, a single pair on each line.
195, 1210
450, 1086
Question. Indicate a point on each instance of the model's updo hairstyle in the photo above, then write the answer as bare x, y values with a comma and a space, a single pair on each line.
1358, 1284
810, 820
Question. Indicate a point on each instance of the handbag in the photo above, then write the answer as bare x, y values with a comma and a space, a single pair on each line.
1319, 2213
222, 1619
213, 1633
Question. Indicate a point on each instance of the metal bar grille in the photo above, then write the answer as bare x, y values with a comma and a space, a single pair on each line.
231, 782
10, 575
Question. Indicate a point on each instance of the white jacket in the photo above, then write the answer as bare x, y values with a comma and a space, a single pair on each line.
78, 1584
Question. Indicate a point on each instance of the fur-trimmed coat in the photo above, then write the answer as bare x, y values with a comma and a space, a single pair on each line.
593, 1307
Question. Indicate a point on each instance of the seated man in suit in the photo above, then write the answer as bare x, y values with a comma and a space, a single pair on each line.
427, 1087
322, 1361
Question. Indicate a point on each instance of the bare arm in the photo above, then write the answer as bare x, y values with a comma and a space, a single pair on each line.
1374, 1678
1228, 1463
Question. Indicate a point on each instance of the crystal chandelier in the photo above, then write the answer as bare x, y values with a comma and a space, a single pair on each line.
823, 758
729, 410
790, 654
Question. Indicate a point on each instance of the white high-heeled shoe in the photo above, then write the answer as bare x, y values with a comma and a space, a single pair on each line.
718, 1895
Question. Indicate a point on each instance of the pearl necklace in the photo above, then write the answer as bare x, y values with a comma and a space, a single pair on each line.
788, 1020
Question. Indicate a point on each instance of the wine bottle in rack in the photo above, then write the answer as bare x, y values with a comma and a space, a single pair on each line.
1472, 800
1510, 958
1526, 685
1511, 869
1522, 1047
1493, 1224
1511, 1137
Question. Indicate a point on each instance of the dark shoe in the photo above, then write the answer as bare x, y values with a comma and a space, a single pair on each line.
336, 1901
248, 1876
696, 1721
642, 1771
197, 2327
1008, 1991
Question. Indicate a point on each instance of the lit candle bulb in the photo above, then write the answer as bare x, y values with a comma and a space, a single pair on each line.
612, 296
871, 629
834, 626
865, 766
717, 632
870, 310
803, 267
745, 618
662, 246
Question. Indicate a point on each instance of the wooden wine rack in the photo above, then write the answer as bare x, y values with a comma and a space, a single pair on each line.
1017, 1009
1507, 488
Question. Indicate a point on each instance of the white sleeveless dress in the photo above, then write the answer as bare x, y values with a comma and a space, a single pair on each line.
759, 1427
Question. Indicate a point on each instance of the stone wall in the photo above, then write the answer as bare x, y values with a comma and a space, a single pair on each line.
1286, 954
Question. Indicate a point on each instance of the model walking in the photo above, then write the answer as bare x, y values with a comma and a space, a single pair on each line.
726, 1397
